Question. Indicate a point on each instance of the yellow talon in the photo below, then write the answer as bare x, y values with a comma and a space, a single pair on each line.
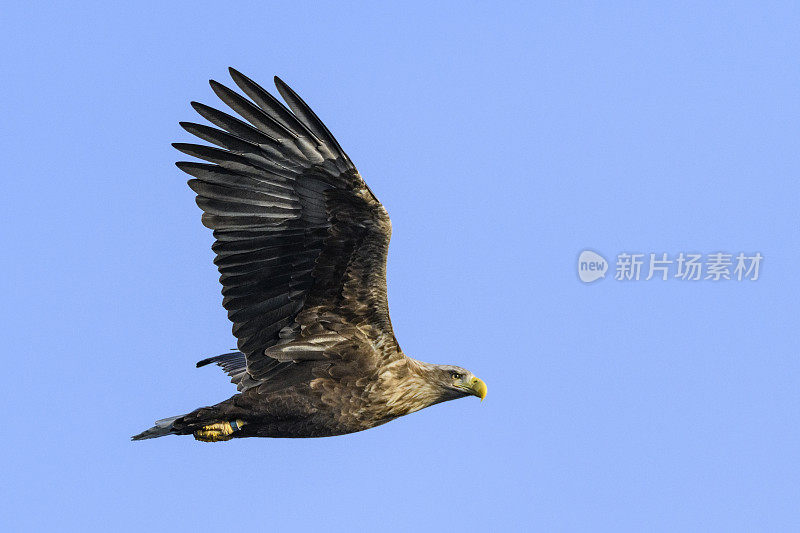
220, 431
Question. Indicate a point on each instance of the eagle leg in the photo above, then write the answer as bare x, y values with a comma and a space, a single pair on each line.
220, 431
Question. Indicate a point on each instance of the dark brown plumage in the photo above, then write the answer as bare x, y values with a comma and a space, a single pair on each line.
301, 245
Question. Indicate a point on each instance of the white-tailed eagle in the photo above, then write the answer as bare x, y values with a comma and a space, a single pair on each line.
301, 244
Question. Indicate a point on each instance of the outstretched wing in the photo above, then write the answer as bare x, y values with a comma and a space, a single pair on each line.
301, 241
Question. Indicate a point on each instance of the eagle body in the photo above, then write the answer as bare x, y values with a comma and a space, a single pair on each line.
324, 406
301, 244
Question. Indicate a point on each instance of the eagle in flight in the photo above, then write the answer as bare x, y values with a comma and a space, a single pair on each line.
301, 244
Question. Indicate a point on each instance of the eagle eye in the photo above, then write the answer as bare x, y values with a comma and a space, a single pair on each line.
456, 375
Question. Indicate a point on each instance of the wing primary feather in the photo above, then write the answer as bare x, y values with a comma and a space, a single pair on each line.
250, 112
308, 117
228, 140
269, 103
283, 153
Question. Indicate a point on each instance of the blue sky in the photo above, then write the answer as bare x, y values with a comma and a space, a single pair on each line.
503, 140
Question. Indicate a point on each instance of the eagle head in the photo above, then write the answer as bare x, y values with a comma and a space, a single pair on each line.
457, 382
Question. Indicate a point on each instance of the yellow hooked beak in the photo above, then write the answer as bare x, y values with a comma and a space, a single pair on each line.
478, 388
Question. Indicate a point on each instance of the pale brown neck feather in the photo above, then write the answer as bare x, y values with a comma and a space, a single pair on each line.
408, 387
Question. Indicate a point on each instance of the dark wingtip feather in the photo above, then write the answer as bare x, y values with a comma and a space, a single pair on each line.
188, 126
307, 116
223, 91
272, 106
217, 87
284, 87
238, 77
218, 358
205, 362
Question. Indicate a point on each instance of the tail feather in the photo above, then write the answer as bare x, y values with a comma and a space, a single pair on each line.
163, 427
